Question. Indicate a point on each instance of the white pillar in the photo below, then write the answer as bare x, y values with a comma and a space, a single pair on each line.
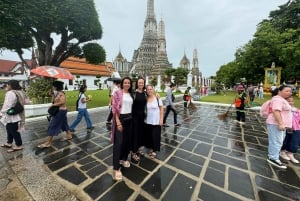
189, 79
158, 83
147, 80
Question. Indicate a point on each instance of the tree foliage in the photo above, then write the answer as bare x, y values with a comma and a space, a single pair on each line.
276, 39
58, 29
38, 90
180, 75
94, 53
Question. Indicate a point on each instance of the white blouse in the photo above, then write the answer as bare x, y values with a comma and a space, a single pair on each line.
153, 112
126, 104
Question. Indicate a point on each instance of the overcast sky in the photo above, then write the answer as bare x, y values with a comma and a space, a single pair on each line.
216, 28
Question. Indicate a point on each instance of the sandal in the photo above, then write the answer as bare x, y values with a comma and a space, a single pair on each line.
44, 145
152, 155
135, 157
141, 153
125, 164
6, 145
14, 149
118, 175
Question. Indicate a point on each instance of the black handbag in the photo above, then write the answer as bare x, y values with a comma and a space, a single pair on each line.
18, 108
53, 110
126, 120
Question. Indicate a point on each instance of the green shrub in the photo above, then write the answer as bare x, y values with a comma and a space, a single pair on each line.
38, 91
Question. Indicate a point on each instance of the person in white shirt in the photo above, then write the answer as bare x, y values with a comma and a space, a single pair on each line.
154, 121
13, 122
115, 87
82, 110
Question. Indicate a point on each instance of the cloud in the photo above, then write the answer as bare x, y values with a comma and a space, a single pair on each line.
215, 28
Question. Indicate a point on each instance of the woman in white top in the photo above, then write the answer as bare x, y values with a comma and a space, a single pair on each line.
154, 121
122, 126
14, 123
82, 111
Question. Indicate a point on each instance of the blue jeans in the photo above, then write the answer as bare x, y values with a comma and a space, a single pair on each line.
291, 142
82, 112
168, 109
275, 137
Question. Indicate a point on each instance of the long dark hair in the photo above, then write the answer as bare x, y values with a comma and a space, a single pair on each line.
14, 84
82, 88
130, 88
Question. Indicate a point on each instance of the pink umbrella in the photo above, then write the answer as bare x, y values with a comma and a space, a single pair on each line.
52, 71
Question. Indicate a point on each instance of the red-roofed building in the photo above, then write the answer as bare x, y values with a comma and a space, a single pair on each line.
91, 74
13, 70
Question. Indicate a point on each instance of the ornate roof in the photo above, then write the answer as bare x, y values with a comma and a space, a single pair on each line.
184, 60
79, 66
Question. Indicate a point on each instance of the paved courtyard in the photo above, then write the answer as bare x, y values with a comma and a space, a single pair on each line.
203, 159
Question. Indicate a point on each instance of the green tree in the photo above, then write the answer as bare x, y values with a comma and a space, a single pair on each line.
277, 39
94, 53
43, 23
179, 74
38, 90
153, 82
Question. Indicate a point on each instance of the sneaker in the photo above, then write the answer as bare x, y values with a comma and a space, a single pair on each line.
236, 121
242, 123
276, 163
176, 125
165, 125
108, 122
284, 156
292, 158
90, 128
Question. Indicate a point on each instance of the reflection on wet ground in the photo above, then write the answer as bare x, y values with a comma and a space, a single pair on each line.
204, 159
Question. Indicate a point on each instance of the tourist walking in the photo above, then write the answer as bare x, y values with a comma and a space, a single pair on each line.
261, 92
59, 120
138, 114
170, 105
14, 122
291, 141
277, 122
122, 126
82, 110
154, 121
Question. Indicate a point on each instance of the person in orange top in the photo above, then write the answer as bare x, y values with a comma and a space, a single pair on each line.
240, 103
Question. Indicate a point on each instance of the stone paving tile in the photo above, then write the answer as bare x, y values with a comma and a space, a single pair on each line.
203, 159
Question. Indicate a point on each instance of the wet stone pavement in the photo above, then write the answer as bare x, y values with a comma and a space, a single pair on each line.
203, 159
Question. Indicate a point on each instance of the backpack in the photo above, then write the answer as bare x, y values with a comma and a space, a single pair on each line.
266, 109
77, 101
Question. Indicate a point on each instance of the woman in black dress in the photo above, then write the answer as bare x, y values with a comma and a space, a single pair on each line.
138, 113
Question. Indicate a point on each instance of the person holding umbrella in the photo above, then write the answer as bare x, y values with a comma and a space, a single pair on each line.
58, 121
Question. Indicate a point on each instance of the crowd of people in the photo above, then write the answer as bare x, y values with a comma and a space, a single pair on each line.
136, 116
